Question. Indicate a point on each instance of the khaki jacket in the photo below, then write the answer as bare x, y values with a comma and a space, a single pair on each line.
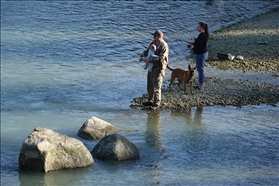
162, 50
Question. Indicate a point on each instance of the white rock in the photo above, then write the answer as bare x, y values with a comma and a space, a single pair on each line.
95, 128
239, 57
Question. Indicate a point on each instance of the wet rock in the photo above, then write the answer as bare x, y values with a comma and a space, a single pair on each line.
46, 150
115, 147
95, 128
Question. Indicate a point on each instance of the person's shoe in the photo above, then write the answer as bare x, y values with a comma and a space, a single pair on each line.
147, 103
154, 107
198, 88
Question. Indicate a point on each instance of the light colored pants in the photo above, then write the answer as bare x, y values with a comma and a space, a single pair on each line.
154, 83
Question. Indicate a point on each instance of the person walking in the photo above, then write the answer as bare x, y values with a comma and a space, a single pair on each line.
156, 76
199, 47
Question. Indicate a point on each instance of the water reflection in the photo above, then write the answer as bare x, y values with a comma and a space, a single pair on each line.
153, 128
59, 177
198, 115
196, 138
154, 144
188, 115
197, 134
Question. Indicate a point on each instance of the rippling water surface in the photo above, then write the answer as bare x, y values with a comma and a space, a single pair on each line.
65, 61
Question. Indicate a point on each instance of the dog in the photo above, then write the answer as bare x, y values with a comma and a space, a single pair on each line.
182, 75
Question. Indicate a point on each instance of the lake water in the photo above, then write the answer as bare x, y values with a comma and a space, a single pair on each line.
65, 61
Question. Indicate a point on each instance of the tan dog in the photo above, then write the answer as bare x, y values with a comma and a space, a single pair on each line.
182, 75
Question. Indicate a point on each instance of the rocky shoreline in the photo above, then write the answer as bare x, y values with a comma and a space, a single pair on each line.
256, 39
218, 91
239, 39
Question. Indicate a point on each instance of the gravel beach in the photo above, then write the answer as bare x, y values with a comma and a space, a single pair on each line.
255, 78
256, 39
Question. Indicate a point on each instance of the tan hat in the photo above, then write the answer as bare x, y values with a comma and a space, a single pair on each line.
158, 33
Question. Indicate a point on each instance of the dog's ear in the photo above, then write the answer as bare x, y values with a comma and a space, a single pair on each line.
189, 67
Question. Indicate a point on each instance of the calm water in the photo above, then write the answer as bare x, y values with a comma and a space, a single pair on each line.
65, 61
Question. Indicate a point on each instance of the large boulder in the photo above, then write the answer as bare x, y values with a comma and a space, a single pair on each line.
115, 147
46, 150
95, 128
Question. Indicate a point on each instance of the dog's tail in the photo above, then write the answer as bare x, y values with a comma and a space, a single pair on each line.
169, 67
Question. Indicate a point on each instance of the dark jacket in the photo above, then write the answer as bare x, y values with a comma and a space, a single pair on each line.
200, 44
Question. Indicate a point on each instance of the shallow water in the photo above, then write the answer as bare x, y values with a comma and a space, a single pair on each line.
202, 146
63, 62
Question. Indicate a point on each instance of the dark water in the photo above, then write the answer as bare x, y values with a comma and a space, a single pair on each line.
65, 61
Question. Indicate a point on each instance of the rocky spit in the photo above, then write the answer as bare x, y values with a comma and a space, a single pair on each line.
257, 40
218, 91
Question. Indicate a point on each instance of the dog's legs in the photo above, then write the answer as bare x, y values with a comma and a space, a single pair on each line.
179, 81
185, 88
170, 86
191, 87
171, 80
170, 83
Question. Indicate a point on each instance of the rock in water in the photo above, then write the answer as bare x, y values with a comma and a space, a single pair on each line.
95, 128
115, 147
46, 150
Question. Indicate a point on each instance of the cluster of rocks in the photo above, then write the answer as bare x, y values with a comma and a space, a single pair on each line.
46, 150
218, 91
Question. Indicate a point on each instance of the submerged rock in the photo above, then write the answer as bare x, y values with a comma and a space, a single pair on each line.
115, 147
46, 150
95, 128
